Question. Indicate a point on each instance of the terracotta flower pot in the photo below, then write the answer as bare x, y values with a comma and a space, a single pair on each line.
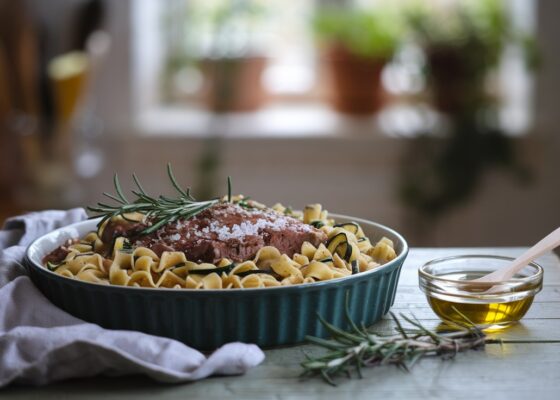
456, 84
233, 84
356, 81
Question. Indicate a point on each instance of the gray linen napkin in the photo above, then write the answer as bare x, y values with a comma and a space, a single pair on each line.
40, 343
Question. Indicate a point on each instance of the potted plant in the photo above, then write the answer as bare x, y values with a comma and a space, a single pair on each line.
463, 43
220, 40
357, 44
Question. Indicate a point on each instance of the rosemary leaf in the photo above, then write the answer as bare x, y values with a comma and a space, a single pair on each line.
360, 348
157, 212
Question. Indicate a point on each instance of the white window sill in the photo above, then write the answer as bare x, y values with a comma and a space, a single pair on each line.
308, 120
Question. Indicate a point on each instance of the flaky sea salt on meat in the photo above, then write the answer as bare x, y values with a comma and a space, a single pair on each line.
267, 220
230, 231
239, 231
175, 237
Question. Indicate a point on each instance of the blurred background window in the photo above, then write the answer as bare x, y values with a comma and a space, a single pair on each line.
437, 118
263, 63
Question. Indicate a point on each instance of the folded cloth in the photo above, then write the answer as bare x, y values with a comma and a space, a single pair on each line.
40, 343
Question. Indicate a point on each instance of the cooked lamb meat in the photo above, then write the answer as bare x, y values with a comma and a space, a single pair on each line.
117, 228
230, 231
59, 254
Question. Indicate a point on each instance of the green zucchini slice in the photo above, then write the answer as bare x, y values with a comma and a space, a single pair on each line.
254, 271
349, 226
227, 269
52, 266
354, 265
339, 244
317, 224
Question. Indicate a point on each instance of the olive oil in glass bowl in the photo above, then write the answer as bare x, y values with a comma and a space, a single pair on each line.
489, 306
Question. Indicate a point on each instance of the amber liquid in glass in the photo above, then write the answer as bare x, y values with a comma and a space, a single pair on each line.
481, 313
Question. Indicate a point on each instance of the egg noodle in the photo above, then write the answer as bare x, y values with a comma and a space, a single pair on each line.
347, 251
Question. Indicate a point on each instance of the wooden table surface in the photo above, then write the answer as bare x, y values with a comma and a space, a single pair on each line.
509, 371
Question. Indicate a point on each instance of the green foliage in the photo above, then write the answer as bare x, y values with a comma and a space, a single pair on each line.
438, 175
227, 27
463, 43
368, 33
478, 29
358, 348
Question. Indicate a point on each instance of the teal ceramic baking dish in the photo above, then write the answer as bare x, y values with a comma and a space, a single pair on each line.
206, 319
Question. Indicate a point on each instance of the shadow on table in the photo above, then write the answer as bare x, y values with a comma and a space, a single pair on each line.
133, 385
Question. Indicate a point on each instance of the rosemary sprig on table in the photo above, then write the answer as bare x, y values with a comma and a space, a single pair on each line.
158, 211
359, 348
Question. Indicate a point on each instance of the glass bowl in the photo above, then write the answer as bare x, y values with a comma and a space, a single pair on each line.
490, 306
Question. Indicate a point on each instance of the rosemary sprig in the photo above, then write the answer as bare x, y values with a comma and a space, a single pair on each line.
244, 203
158, 211
353, 350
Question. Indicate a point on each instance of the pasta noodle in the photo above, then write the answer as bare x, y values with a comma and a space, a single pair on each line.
347, 251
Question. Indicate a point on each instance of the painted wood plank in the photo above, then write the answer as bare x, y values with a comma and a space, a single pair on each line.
422, 311
529, 329
496, 372
413, 295
419, 256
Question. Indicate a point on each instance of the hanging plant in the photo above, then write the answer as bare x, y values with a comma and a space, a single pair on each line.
438, 175
462, 46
